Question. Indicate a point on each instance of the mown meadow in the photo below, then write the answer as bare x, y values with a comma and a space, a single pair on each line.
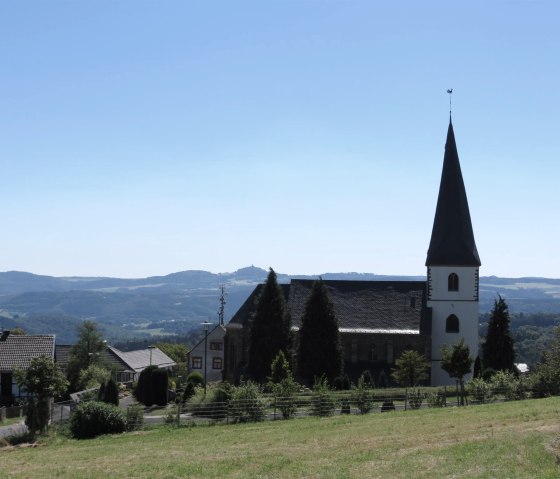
503, 440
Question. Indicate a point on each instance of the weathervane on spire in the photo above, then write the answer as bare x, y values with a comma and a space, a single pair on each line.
450, 91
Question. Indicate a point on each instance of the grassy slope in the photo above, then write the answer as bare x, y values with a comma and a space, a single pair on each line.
493, 441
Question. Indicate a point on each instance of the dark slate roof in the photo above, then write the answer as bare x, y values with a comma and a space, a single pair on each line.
452, 242
366, 306
248, 307
17, 351
360, 306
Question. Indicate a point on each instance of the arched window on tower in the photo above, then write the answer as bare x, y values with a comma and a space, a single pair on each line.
453, 282
452, 324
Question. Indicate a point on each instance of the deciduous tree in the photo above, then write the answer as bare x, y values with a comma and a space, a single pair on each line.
42, 381
85, 352
457, 362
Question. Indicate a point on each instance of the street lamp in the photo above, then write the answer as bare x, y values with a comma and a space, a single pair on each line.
151, 348
206, 324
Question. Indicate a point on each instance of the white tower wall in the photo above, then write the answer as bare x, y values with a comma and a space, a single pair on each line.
462, 303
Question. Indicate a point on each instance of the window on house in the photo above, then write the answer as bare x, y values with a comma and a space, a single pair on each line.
216, 346
217, 363
197, 362
453, 282
372, 353
452, 324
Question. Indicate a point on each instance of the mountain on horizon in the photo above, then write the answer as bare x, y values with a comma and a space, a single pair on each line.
177, 302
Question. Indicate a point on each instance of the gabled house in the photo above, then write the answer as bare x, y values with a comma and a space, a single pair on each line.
207, 356
129, 364
126, 365
16, 352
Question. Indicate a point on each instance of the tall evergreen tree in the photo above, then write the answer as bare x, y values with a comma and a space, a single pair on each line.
270, 329
319, 350
498, 350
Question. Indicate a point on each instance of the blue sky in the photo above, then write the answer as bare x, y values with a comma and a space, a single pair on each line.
146, 137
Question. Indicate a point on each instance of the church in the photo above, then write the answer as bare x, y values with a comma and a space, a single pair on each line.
379, 320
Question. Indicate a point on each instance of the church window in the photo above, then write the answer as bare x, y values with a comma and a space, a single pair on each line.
452, 324
413, 302
372, 353
453, 282
354, 351
389, 352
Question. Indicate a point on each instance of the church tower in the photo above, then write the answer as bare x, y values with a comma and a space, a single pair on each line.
453, 264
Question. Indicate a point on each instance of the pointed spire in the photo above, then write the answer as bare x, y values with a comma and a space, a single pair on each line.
452, 242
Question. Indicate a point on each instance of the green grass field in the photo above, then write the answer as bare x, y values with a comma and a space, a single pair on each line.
507, 440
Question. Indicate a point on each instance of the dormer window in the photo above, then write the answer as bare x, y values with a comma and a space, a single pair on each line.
453, 282
452, 324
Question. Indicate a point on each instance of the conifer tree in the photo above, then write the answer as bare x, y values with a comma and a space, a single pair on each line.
111, 393
270, 329
411, 368
498, 348
319, 350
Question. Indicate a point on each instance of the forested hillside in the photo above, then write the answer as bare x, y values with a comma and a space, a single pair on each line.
177, 303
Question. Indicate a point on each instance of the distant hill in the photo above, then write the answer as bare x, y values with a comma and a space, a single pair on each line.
178, 302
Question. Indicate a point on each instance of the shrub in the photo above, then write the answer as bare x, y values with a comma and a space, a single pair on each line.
160, 383
152, 386
322, 403
367, 379
171, 415
363, 395
134, 417
437, 399
387, 406
246, 404
143, 391
213, 404
109, 393
188, 392
415, 398
480, 390
284, 394
342, 383
506, 383
345, 406
382, 380
196, 378
94, 418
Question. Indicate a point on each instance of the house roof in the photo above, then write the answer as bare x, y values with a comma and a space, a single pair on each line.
390, 307
209, 334
17, 351
452, 242
142, 358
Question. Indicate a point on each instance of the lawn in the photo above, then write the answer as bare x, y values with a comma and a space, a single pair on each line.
504, 440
